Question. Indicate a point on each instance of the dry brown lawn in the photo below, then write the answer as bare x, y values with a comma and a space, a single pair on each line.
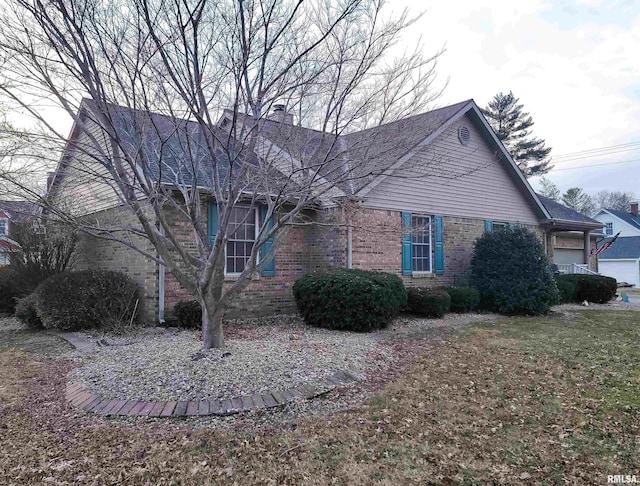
540, 400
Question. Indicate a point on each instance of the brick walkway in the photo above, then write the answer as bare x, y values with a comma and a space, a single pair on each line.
79, 396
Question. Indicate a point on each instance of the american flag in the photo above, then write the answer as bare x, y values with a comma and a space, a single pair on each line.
605, 246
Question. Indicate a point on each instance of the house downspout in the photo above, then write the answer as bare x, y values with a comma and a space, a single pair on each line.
161, 288
349, 244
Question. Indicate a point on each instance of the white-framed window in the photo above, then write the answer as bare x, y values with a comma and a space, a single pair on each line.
242, 231
4, 258
497, 225
4, 226
608, 229
421, 243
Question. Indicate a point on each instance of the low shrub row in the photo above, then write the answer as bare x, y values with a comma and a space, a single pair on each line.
73, 301
592, 288
358, 300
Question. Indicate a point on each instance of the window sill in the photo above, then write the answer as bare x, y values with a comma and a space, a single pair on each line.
423, 275
234, 276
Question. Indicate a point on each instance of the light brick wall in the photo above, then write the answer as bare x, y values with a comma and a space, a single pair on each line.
98, 253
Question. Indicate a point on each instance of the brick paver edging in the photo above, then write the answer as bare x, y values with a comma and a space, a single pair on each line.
79, 396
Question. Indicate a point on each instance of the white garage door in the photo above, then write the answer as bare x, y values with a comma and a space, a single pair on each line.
622, 270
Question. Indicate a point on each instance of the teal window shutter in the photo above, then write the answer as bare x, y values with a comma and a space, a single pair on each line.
407, 263
270, 268
212, 221
439, 246
488, 226
512, 225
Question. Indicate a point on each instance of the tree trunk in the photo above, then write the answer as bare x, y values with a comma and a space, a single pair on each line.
212, 334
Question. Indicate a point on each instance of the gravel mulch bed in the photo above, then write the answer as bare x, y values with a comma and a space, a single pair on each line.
261, 355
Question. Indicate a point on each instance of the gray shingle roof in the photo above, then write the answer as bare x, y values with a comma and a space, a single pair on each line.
623, 247
353, 160
559, 211
626, 217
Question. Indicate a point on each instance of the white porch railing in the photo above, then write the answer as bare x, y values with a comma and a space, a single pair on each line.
575, 268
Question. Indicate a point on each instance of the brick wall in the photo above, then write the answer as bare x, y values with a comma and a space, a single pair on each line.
98, 253
377, 245
298, 248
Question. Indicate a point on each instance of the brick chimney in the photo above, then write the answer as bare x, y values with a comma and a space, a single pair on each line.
634, 208
281, 115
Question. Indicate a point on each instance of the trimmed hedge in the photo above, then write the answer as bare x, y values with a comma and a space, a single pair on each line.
429, 302
88, 299
463, 299
512, 273
592, 288
351, 300
188, 313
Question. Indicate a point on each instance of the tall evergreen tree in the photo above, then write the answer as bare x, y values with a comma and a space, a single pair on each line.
512, 126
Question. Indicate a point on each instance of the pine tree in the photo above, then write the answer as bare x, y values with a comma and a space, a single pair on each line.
512, 125
549, 189
578, 200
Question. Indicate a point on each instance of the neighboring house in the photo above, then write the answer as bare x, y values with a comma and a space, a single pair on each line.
622, 260
433, 184
12, 215
569, 246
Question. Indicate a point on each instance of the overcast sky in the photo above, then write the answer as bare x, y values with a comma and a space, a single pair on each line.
575, 65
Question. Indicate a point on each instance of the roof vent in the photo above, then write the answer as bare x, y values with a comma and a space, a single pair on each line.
464, 135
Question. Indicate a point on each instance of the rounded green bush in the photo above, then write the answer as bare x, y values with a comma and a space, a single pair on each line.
596, 288
89, 299
512, 273
350, 300
463, 299
592, 288
428, 302
27, 312
188, 313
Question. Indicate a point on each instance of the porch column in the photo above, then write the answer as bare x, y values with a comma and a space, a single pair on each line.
587, 247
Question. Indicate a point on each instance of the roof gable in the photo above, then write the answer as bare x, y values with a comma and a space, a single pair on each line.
625, 216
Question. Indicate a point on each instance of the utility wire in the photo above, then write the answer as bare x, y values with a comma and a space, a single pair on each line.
597, 165
607, 148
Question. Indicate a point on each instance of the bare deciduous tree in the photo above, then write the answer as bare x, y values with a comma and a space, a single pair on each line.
157, 75
618, 200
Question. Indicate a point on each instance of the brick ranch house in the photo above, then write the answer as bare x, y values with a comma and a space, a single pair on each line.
442, 178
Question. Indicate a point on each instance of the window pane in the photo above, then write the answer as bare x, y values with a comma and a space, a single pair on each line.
242, 235
421, 242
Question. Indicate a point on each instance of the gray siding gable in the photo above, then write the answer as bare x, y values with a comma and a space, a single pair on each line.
446, 177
